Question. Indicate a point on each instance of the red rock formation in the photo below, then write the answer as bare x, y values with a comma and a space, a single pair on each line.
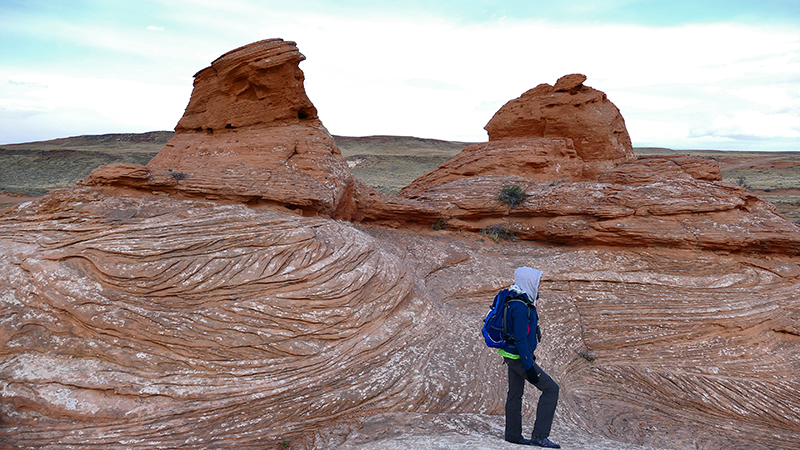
249, 134
567, 110
542, 160
650, 169
566, 132
257, 85
151, 322
600, 197
680, 213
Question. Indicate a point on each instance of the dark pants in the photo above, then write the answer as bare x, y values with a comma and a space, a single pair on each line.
545, 409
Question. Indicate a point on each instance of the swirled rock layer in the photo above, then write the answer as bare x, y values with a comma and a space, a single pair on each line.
143, 322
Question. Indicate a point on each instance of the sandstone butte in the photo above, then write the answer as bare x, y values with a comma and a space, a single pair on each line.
244, 290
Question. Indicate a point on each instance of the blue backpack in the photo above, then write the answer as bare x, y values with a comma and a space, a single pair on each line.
494, 326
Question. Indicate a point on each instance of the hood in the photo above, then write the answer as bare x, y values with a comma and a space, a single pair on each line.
527, 279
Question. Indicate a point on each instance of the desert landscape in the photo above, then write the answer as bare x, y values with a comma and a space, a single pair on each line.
386, 163
252, 281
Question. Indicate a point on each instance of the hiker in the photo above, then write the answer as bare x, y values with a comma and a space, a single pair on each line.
522, 323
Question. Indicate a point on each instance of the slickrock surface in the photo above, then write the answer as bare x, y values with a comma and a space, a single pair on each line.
679, 213
153, 322
243, 290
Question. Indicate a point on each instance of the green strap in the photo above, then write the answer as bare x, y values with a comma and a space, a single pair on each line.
505, 354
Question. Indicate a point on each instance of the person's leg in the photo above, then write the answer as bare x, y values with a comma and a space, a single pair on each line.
516, 387
546, 408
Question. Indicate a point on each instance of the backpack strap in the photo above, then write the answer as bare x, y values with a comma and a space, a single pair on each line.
514, 297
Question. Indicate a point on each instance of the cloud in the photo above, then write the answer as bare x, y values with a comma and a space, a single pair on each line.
86, 105
425, 83
415, 74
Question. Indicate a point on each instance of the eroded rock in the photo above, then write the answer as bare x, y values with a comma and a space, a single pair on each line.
567, 110
144, 322
249, 134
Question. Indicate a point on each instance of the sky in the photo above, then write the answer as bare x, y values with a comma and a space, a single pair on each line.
685, 74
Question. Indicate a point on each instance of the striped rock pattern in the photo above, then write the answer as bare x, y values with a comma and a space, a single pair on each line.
151, 322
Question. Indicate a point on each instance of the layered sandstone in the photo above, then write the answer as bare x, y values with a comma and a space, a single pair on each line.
583, 185
681, 213
249, 134
566, 110
542, 160
257, 85
144, 322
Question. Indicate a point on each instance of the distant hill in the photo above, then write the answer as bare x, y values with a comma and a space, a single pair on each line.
387, 163
150, 142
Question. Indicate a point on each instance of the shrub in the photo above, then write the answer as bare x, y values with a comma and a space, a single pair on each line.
512, 195
178, 175
440, 224
498, 231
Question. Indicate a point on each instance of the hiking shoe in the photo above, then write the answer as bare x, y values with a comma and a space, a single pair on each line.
544, 442
523, 442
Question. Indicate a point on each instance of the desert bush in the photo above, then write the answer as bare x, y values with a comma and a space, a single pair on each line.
512, 195
440, 224
498, 231
178, 175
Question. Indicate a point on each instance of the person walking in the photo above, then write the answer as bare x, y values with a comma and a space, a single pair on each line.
523, 327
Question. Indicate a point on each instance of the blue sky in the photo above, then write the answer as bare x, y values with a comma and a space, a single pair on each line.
701, 74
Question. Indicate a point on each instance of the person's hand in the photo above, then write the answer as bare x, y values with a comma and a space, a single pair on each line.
531, 375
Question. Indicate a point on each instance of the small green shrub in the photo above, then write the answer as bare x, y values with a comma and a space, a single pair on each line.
440, 224
498, 231
512, 195
178, 175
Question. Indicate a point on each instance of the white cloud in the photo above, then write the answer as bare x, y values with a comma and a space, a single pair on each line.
80, 105
756, 125
681, 87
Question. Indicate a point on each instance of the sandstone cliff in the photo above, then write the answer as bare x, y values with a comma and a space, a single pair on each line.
243, 290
